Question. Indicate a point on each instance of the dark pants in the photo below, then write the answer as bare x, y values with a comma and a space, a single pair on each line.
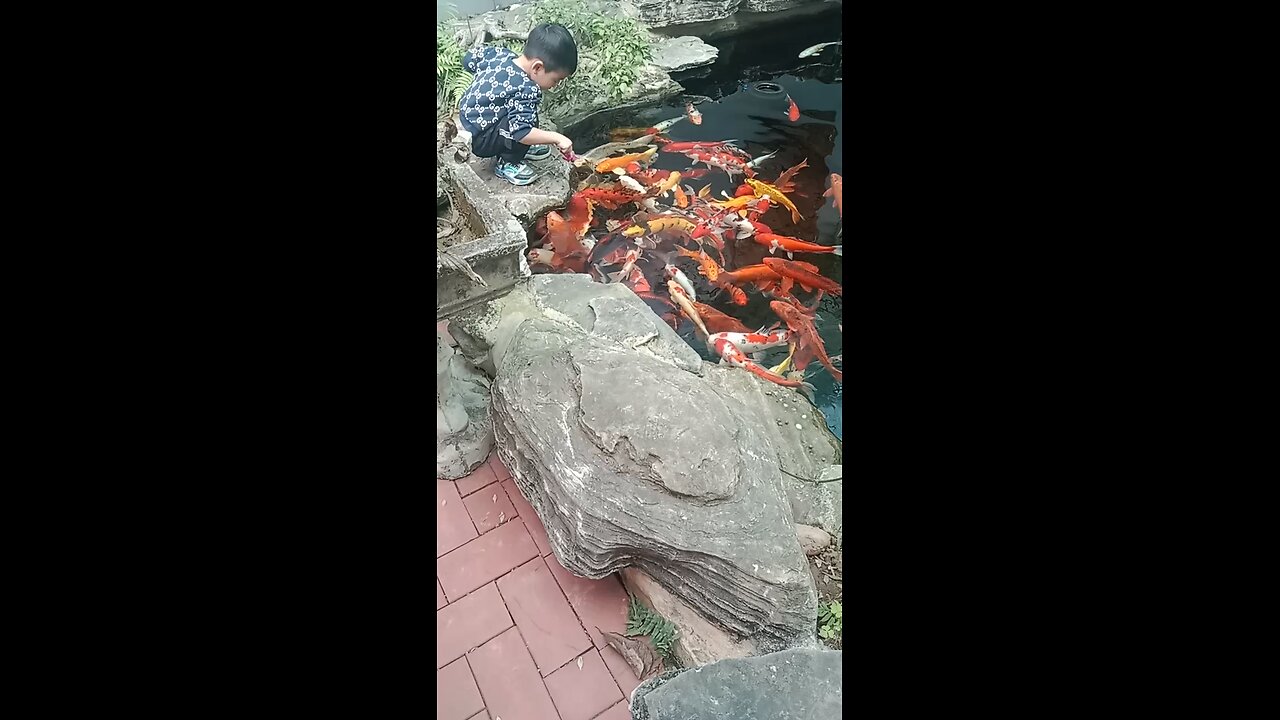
490, 143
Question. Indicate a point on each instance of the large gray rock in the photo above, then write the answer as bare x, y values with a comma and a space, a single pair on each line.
798, 684
805, 445
611, 313
632, 462
661, 13
464, 432
682, 53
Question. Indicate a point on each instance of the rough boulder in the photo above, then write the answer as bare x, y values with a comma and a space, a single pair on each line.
631, 461
790, 684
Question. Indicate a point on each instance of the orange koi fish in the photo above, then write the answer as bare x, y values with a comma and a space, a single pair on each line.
610, 164
750, 274
836, 193
808, 344
707, 266
792, 245
718, 321
803, 274
682, 200
793, 112
784, 182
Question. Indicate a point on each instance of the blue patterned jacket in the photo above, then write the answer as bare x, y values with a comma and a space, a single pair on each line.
499, 83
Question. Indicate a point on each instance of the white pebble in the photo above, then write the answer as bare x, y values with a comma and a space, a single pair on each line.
798, 426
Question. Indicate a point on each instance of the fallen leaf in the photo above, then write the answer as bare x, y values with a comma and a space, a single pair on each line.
502, 517
495, 497
579, 662
638, 652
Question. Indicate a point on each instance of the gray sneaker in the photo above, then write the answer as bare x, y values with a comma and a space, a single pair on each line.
515, 174
538, 152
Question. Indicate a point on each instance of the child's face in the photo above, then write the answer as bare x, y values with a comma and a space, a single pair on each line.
546, 79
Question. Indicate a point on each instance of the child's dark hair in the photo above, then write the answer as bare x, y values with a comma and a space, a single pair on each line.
554, 46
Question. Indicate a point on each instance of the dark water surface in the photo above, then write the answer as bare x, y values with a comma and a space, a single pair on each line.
737, 109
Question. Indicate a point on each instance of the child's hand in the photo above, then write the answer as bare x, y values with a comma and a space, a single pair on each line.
565, 144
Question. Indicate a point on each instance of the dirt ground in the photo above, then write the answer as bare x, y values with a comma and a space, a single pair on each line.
828, 575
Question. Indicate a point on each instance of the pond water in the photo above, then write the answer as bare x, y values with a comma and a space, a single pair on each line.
734, 106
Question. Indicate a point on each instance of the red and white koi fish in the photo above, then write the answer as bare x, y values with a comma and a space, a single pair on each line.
678, 275
793, 112
632, 256
695, 117
752, 342
730, 353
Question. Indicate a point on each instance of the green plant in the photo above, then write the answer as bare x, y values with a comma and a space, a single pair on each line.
620, 44
451, 79
643, 621
512, 44
829, 624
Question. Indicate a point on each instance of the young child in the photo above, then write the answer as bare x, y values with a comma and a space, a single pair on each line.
500, 109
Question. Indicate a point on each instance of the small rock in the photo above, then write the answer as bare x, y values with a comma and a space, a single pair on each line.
813, 540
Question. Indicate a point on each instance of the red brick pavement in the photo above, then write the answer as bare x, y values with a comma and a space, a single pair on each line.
511, 623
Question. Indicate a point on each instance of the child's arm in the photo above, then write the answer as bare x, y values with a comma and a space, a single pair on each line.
523, 112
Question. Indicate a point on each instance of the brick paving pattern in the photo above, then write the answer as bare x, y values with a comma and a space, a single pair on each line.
512, 625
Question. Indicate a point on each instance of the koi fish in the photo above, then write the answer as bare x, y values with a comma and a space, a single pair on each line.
804, 274
682, 200
692, 173
608, 196
736, 294
793, 112
836, 193
665, 186
814, 50
792, 245
695, 117
678, 275
686, 306
631, 184
760, 160
709, 145
764, 189
737, 203
784, 182
750, 342
718, 321
809, 344
707, 266
638, 282
760, 210
750, 274
610, 164
666, 124
653, 224
543, 256
632, 256
730, 354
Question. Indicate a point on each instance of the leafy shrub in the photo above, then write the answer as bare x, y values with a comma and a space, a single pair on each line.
829, 622
620, 44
